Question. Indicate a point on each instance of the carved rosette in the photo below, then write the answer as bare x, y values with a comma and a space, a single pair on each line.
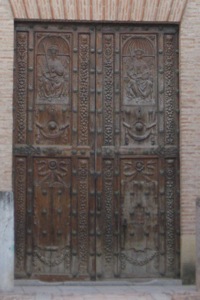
20, 213
52, 172
108, 43
83, 214
169, 63
21, 86
108, 210
170, 214
83, 88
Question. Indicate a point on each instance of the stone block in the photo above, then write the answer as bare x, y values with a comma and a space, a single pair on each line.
186, 296
6, 241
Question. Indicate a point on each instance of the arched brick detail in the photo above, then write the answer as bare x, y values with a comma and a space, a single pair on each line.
103, 10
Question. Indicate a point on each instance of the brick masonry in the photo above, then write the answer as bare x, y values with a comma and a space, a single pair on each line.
184, 12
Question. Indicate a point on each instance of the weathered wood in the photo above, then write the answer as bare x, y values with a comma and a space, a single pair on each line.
96, 151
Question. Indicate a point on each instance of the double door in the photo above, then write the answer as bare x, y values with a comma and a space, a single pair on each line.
96, 151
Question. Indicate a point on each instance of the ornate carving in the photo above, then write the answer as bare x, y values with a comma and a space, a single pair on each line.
20, 212
83, 88
139, 126
108, 207
53, 64
21, 86
52, 124
52, 172
170, 215
139, 71
139, 234
141, 169
52, 260
108, 84
52, 130
169, 88
137, 257
83, 213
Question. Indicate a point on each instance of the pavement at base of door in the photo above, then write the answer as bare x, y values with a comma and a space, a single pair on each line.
105, 290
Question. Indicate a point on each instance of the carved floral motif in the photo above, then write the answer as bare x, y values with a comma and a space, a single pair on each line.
52, 172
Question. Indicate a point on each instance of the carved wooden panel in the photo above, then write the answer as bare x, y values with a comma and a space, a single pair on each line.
96, 151
52, 184
140, 218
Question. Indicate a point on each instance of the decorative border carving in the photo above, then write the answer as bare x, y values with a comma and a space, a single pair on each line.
108, 86
83, 214
21, 86
170, 214
108, 209
20, 212
169, 63
83, 88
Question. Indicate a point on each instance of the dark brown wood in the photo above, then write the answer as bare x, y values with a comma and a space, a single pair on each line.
96, 151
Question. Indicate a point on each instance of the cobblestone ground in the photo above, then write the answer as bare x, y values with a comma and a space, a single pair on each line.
117, 290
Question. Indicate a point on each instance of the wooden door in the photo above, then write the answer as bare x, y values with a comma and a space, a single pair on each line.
96, 151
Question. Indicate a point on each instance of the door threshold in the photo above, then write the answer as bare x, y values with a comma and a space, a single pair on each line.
105, 282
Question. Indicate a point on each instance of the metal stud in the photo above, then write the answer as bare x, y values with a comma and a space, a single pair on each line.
59, 210
161, 71
44, 211
74, 212
30, 191
74, 172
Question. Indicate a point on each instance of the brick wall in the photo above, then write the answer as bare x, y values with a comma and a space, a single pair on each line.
185, 12
6, 92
